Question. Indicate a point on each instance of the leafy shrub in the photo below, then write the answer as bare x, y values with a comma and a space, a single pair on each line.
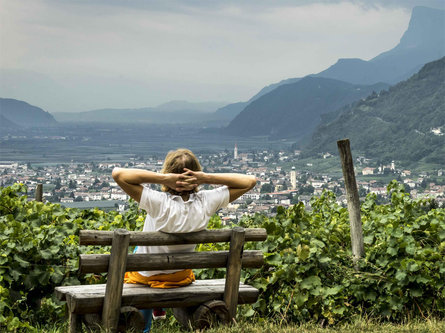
39, 250
308, 275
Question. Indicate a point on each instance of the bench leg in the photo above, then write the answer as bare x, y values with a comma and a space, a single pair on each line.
208, 314
75, 320
131, 319
75, 323
185, 316
211, 313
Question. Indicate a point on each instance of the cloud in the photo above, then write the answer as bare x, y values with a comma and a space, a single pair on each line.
156, 51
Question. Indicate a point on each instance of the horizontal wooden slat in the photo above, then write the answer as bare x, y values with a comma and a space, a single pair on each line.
97, 237
89, 299
98, 263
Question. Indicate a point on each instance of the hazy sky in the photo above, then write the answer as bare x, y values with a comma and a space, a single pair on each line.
66, 55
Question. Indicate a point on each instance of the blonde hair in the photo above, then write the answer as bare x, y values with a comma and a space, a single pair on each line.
175, 162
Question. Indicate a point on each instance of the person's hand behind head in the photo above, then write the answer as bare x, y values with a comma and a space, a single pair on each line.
181, 182
197, 177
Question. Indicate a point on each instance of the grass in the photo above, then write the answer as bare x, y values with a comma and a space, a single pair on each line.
361, 325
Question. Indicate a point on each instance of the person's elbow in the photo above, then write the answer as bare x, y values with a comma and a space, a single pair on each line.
116, 174
252, 182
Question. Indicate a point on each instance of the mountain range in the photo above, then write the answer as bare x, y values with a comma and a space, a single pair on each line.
405, 123
171, 112
423, 41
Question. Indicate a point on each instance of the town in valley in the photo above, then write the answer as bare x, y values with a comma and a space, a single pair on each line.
280, 183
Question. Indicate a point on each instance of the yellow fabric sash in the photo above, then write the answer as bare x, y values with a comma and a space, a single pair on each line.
164, 281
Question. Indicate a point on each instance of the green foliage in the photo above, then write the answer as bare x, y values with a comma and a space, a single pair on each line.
404, 256
39, 250
308, 275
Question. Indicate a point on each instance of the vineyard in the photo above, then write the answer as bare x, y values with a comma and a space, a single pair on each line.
309, 275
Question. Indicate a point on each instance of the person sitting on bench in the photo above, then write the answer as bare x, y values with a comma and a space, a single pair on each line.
179, 208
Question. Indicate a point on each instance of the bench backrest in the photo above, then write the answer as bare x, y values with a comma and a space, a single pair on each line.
99, 263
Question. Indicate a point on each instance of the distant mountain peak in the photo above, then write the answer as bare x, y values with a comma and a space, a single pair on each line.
426, 28
422, 42
20, 113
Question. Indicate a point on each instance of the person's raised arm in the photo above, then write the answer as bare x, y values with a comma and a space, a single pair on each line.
238, 184
131, 180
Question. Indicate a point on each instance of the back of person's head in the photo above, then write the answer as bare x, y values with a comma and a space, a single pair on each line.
176, 161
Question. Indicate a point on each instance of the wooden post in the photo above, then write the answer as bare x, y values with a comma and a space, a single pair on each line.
355, 221
115, 280
234, 271
39, 192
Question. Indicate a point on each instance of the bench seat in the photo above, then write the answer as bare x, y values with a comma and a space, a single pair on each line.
82, 299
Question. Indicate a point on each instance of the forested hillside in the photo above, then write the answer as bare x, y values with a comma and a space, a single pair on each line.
405, 123
294, 110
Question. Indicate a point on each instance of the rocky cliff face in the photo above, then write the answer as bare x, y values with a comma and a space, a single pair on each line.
423, 41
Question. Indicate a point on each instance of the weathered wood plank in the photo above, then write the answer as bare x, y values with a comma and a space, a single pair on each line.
98, 263
234, 271
89, 298
97, 237
115, 280
62, 291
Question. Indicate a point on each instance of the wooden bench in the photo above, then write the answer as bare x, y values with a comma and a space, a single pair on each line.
195, 305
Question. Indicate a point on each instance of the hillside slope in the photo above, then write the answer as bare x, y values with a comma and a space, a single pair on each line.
294, 110
6, 124
22, 114
405, 123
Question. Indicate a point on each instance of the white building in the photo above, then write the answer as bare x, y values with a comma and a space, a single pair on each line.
367, 171
119, 196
